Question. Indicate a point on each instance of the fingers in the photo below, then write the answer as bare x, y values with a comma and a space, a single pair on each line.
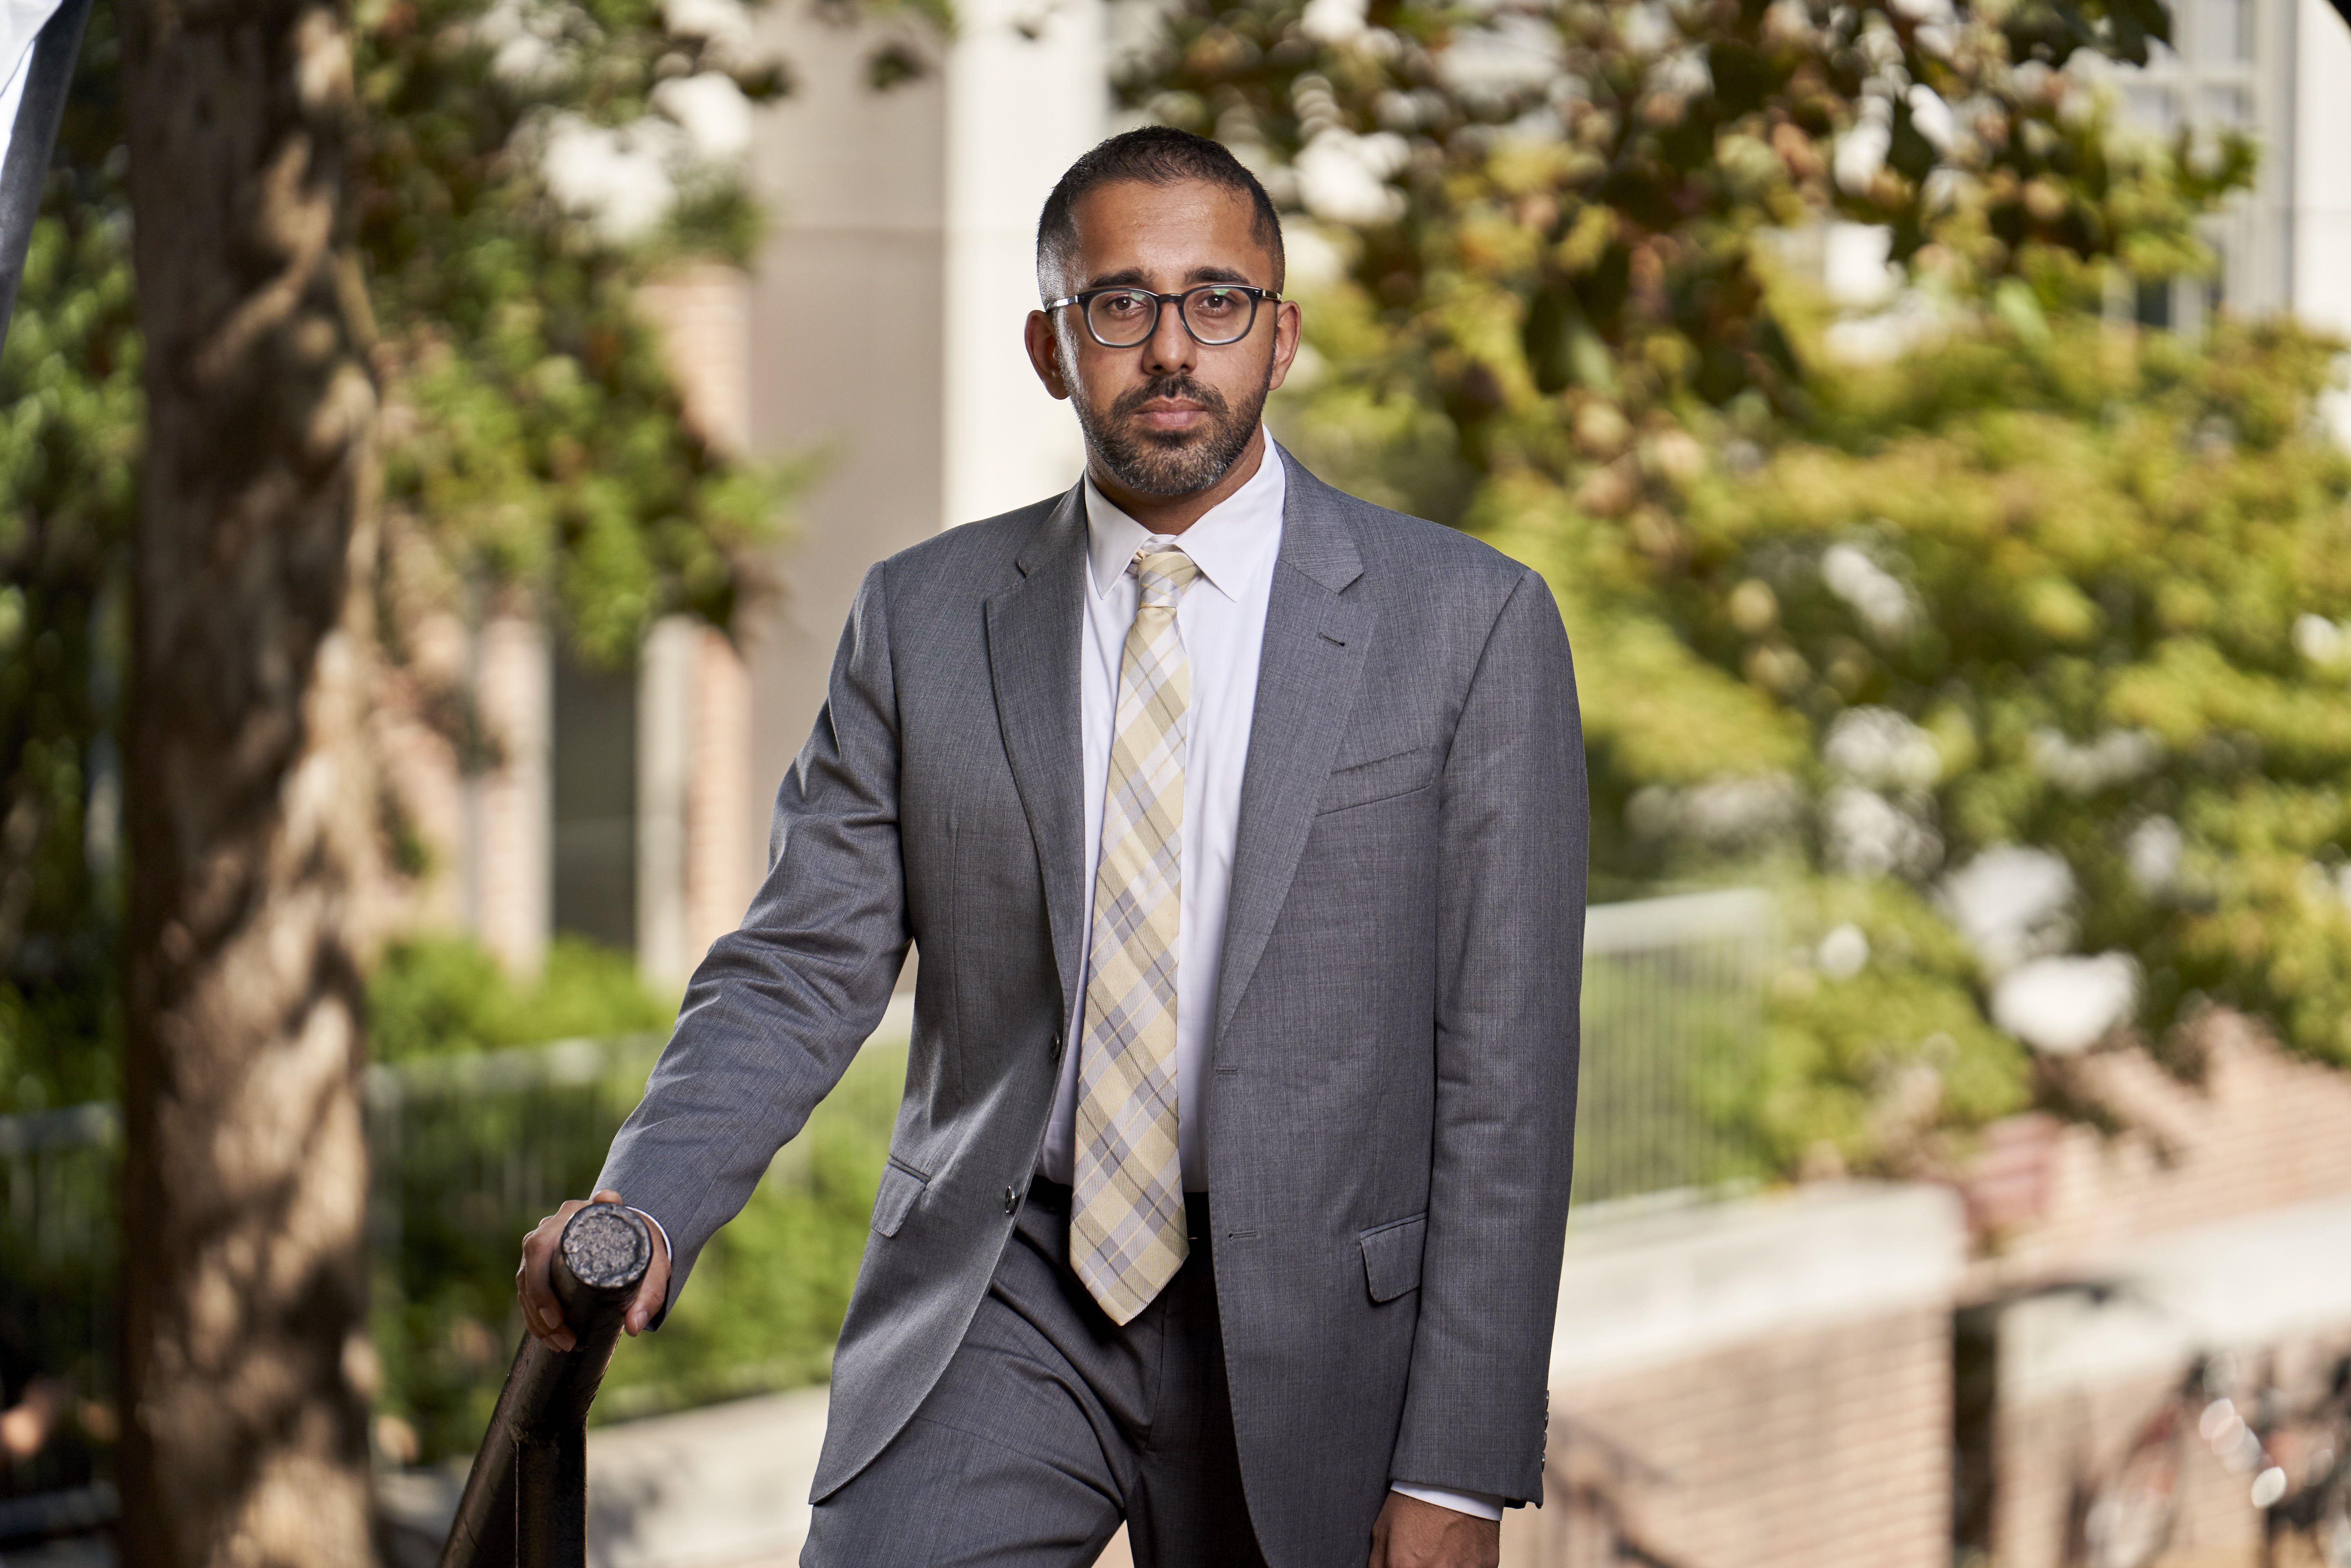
654, 1289
541, 1313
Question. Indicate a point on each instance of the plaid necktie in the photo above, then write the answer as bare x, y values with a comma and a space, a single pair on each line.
1126, 1219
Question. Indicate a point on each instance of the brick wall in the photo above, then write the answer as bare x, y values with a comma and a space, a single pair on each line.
1763, 1384
1823, 1448
2262, 1131
2083, 1373
2216, 1221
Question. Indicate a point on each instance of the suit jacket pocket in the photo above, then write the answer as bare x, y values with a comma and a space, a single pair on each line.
1378, 780
1392, 1257
902, 1185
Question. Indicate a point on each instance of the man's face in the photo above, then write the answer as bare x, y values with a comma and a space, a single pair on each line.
1168, 416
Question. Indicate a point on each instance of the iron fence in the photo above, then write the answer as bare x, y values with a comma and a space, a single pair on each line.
1672, 999
57, 1303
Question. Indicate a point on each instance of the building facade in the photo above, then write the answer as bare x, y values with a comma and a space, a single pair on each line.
879, 334
2281, 71
879, 338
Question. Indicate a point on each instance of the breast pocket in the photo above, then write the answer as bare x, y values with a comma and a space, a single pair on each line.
1381, 779
902, 1187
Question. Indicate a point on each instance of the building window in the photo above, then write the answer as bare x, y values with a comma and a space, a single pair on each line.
2220, 107
595, 802
2225, 32
2153, 106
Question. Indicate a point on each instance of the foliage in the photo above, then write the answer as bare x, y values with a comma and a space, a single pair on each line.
69, 411
2070, 590
771, 1288
1858, 613
533, 447
534, 456
1542, 198
477, 1143
444, 994
532, 435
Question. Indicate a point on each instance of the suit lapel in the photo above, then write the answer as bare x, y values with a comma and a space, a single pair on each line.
1316, 639
1033, 630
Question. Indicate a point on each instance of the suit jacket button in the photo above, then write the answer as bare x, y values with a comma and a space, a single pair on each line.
1011, 1199
1056, 1045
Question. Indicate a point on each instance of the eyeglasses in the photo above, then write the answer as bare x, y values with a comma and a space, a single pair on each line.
1213, 313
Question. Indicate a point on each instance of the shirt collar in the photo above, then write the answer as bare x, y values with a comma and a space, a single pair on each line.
1232, 542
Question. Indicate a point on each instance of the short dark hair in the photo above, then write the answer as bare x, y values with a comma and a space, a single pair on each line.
1154, 155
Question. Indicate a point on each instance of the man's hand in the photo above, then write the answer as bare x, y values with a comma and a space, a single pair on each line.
543, 1315
1416, 1534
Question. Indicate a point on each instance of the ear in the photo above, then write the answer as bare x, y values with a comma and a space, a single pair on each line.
1287, 317
1044, 354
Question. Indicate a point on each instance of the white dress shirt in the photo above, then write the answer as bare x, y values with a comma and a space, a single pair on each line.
1221, 619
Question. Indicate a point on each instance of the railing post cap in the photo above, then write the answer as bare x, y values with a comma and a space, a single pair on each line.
607, 1246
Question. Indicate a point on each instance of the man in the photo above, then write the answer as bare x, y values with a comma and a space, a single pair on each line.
1241, 828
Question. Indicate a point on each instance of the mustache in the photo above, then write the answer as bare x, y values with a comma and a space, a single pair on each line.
1171, 388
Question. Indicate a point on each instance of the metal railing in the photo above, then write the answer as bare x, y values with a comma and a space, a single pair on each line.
58, 1286
469, 1150
1673, 1010
526, 1503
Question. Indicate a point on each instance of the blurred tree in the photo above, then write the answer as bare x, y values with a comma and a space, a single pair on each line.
244, 1199
513, 172
2002, 637
463, 197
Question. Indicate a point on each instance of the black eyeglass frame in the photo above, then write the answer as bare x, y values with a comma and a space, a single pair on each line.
1159, 303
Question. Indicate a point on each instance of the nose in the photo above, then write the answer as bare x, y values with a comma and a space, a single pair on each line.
1170, 349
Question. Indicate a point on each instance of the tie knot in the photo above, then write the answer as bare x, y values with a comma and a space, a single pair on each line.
1162, 572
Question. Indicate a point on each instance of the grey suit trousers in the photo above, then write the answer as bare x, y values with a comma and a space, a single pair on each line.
1051, 1422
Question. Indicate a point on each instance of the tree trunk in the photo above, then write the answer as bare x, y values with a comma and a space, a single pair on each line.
246, 1365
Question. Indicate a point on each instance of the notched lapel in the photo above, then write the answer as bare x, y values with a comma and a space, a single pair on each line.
1033, 630
1316, 637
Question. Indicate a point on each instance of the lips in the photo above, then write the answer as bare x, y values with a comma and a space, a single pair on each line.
1170, 407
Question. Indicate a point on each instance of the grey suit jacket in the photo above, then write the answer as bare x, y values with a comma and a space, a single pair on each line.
1391, 1111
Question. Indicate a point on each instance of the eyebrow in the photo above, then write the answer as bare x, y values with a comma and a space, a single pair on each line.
1132, 278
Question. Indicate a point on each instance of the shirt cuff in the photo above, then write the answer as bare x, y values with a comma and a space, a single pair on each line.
667, 1251
1476, 1504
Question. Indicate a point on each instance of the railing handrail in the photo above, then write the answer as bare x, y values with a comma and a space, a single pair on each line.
1678, 919
582, 1059
94, 1124
97, 1123
524, 1502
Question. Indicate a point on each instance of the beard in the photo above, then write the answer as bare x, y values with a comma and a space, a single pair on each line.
1168, 463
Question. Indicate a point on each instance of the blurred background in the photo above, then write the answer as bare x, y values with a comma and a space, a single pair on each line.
1930, 416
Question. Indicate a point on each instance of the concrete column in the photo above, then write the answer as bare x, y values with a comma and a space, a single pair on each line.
1028, 91
2322, 179
723, 859
886, 308
694, 709
666, 672
508, 810
427, 777
702, 313
844, 362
